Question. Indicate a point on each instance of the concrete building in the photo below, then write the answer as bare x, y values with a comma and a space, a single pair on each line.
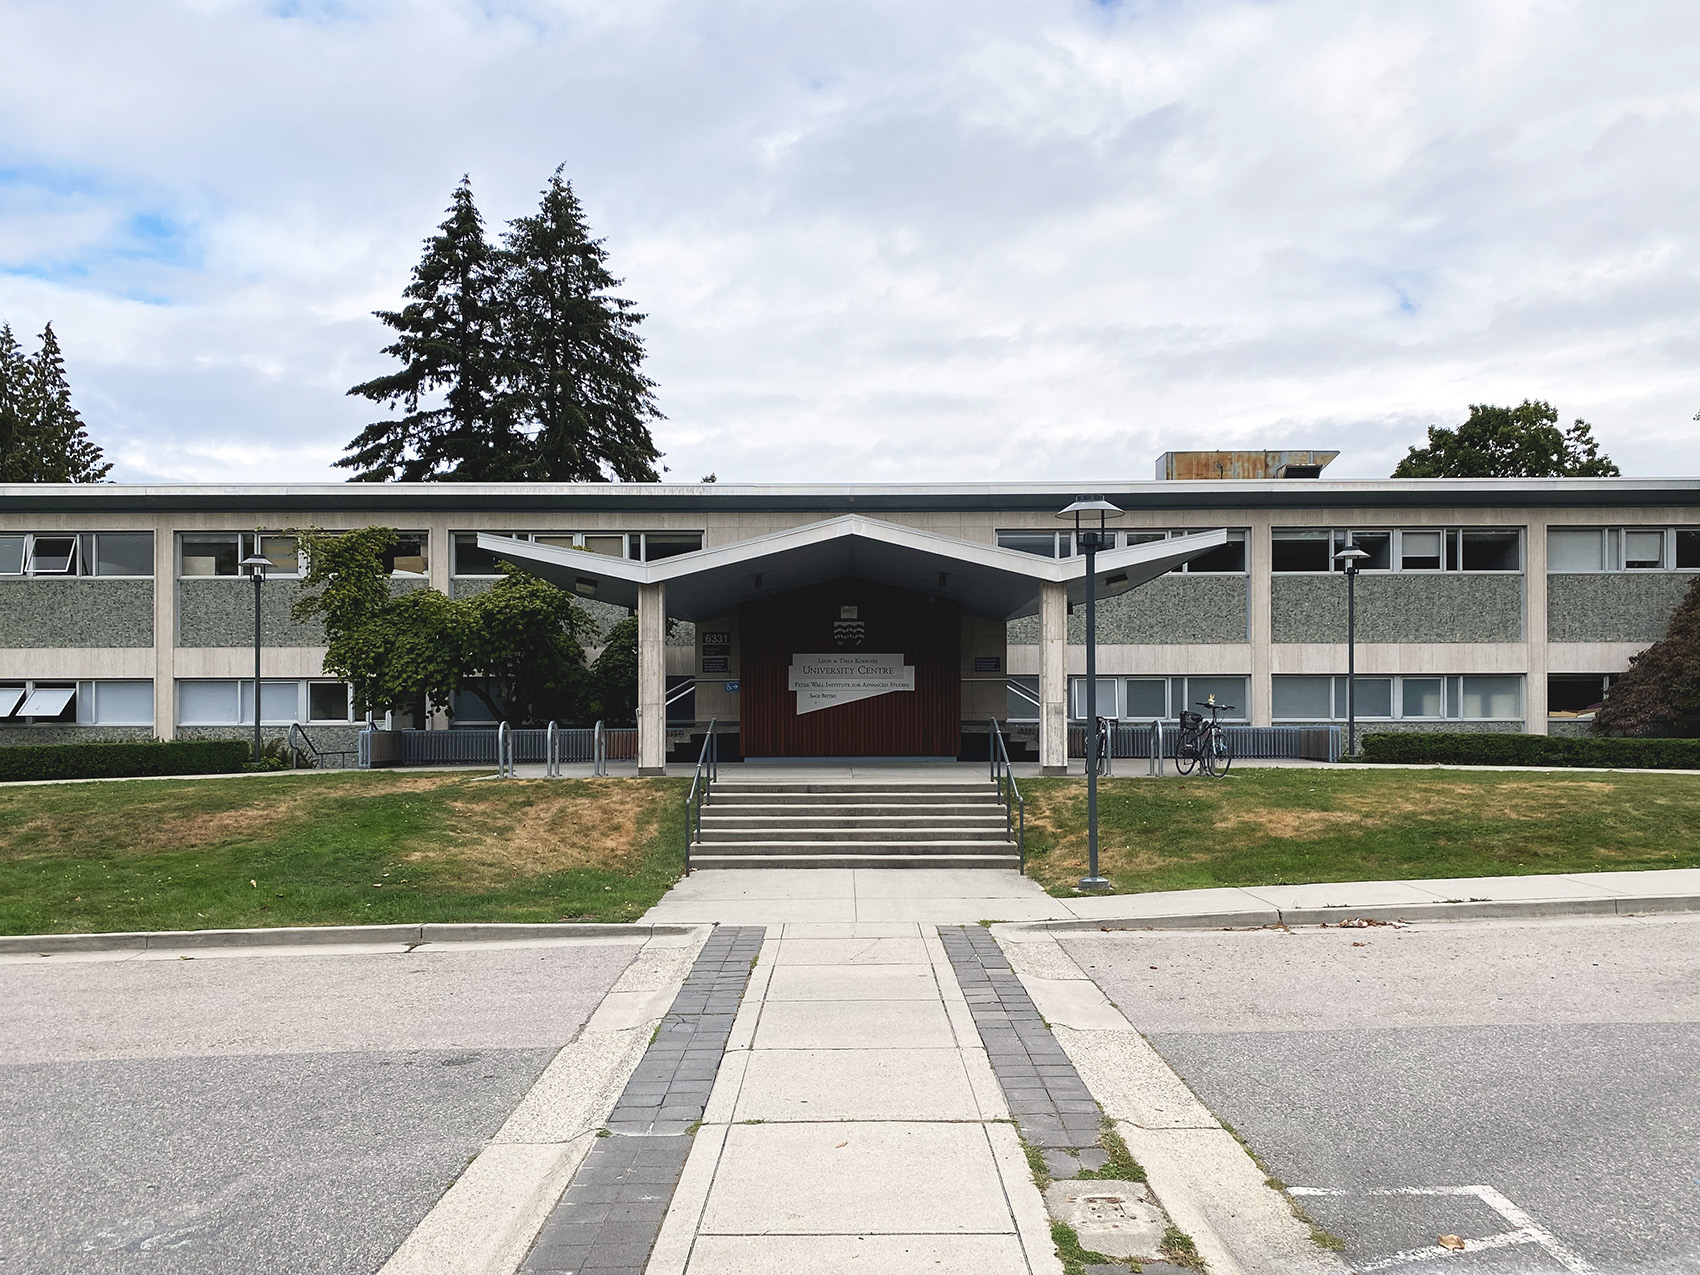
1486, 605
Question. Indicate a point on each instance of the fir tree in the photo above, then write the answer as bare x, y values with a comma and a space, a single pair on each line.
42, 436
573, 354
456, 424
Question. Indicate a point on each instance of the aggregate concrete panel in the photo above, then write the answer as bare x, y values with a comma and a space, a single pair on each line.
73, 612
1614, 606
1454, 606
220, 612
1185, 608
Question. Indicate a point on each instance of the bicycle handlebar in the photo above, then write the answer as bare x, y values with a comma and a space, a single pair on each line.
1225, 708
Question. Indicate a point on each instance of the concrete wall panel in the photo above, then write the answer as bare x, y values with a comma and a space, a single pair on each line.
1399, 608
1171, 609
76, 612
1613, 606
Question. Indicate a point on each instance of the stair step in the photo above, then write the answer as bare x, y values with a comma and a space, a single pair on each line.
840, 845
855, 861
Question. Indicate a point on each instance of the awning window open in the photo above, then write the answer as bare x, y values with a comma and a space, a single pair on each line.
47, 701
9, 697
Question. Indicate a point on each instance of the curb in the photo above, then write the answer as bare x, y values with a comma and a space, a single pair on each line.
330, 935
1627, 905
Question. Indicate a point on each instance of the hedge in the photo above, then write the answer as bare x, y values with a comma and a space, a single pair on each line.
1459, 749
122, 759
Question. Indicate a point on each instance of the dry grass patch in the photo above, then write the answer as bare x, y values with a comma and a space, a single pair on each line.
534, 828
1292, 825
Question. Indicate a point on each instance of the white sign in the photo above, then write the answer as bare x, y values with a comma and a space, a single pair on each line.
845, 677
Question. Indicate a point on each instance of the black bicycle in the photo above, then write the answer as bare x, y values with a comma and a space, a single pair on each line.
1204, 744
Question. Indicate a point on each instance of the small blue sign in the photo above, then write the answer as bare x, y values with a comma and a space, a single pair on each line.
731, 686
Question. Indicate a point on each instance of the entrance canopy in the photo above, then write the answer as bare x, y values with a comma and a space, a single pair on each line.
1000, 584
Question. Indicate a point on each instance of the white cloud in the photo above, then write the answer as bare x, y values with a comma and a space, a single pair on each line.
883, 241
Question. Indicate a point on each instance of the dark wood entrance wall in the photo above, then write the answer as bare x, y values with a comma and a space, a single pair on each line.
925, 722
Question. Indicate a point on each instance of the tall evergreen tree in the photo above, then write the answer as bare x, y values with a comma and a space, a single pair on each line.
456, 425
42, 436
573, 354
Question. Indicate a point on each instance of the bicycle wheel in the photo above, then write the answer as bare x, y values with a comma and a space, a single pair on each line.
1221, 753
1207, 754
1186, 754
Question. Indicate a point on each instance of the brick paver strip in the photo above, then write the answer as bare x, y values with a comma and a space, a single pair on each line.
607, 1219
1051, 1104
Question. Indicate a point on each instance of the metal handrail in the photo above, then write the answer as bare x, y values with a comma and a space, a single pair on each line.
296, 729
702, 781
1014, 805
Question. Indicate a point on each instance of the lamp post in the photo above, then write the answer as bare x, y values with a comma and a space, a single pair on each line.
257, 571
1353, 558
1090, 513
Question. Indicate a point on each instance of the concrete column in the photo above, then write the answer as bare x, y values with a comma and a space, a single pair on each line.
164, 632
1053, 679
1535, 625
1259, 622
652, 679
438, 562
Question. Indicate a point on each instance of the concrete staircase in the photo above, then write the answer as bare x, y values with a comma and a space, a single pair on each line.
750, 823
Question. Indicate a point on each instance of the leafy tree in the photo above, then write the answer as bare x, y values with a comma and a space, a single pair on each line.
615, 674
449, 342
1509, 442
572, 350
518, 646
42, 437
1660, 694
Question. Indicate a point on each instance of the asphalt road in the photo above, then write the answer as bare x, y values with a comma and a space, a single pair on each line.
295, 1114
1555, 1065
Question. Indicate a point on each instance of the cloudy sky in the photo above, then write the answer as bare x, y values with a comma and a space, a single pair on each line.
881, 239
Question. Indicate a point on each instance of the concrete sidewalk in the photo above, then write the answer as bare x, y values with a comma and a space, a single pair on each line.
855, 1123
944, 896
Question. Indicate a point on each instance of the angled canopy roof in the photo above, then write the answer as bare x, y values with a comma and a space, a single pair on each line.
999, 583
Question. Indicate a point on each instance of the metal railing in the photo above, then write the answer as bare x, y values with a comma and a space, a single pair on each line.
702, 783
1014, 806
318, 755
1140, 740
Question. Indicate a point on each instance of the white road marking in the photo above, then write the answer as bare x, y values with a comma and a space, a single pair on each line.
1528, 1230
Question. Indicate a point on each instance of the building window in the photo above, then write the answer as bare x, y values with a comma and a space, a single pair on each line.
88, 553
1581, 550
1310, 549
1155, 698
222, 553
1324, 698
1576, 695
30, 703
1229, 559
641, 546
230, 702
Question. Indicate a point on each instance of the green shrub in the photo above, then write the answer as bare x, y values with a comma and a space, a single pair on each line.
123, 759
1458, 749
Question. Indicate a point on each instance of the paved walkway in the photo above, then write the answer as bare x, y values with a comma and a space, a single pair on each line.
955, 896
856, 1123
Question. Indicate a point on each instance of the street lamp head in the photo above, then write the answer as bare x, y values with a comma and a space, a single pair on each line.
256, 566
1352, 557
1090, 513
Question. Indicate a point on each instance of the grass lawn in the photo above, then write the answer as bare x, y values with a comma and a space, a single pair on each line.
1278, 826
338, 848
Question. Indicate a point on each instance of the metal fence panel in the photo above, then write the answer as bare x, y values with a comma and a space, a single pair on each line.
1257, 743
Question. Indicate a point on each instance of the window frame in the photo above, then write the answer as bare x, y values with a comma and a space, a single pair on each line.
1451, 551
1614, 547
84, 559
1451, 697
635, 545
